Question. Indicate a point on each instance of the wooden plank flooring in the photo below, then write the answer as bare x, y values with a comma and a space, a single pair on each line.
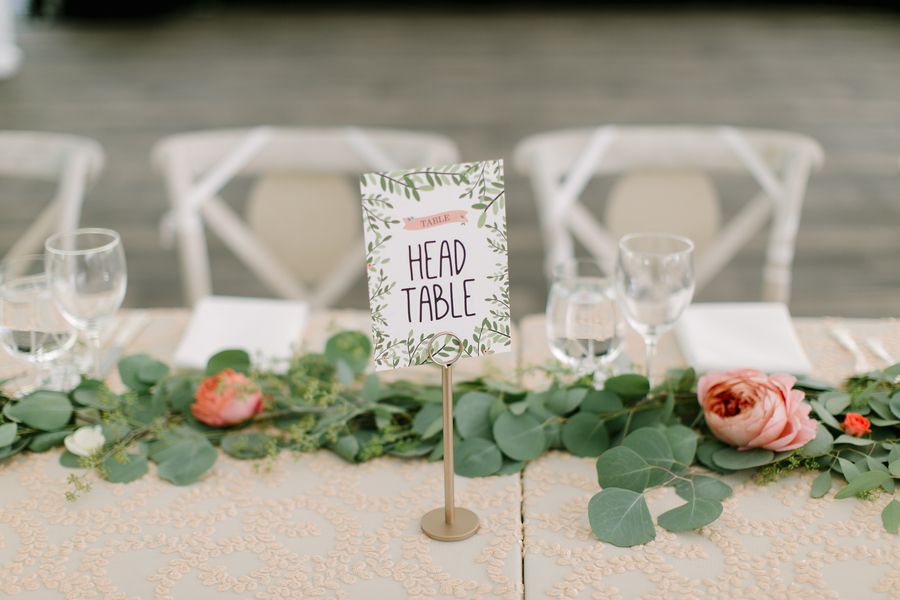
486, 80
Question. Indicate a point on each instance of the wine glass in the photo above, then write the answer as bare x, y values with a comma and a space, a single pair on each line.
31, 326
582, 319
86, 270
654, 284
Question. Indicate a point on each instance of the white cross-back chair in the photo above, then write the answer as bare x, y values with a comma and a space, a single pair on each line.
663, 184
71, 161
302, 236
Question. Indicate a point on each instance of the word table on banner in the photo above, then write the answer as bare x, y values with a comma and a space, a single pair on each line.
436, 254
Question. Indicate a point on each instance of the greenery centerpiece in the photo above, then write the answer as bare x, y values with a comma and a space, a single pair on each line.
679, 434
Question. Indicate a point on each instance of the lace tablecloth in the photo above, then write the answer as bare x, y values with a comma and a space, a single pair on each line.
310, 526
313, 526
772, 541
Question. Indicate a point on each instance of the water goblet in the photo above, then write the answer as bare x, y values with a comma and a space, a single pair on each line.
32, 328
654, 284
582, 319
87, 275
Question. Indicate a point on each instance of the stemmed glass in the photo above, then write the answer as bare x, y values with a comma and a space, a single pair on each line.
582, 320
86, 270
31, 326
654, 284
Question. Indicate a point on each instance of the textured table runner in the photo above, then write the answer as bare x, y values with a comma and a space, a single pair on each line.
772, 541
307, 526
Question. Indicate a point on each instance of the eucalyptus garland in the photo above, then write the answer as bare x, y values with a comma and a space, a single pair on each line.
642, 438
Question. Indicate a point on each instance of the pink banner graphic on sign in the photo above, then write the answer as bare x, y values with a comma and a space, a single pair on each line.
442, 218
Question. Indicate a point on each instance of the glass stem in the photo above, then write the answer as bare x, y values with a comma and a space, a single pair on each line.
93, 336
650, 346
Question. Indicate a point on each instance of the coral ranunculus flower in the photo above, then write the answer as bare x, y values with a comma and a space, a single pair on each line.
227, 398
856, 424
749, 409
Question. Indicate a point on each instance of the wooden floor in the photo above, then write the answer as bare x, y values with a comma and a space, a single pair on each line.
487, 81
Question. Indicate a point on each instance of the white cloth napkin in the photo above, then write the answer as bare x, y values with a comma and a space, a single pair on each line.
717, 337
267, 329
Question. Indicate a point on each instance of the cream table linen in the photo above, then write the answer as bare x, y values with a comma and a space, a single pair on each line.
772, 541
309, 526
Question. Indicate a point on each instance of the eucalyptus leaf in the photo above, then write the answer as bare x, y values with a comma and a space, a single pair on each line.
862, 483
130, 369
472, 415
16, 447
848, 469
91, 392
511, 466
131, 468
653, 447
236, 360
821, 485
245, 446
565, 401
601, 401
621, 518
584, 434
347, 447
835, 402
476, 457
894, 468
428, 421
824, 416
735, 460
520, 437
7, 434
518, 408
351, 347
45, 441
890, 516
184, 461
152, 372
705, 452
895, 404
696, 513
629, 387
702, 486
70, 461
852, 440
622, 467
683, 442
43, 409
820, 445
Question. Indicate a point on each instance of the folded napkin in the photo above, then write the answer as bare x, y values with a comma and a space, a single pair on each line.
716, 337
267, 329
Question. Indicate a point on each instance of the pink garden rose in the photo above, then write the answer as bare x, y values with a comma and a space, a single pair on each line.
227, 398
748, 409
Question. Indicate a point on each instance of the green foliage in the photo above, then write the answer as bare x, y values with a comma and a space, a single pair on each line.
236, 360
890, 516
42, 410
642, 438
477, 457
520, 437
621, 517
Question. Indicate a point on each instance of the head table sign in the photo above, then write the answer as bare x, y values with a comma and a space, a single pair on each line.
436, 257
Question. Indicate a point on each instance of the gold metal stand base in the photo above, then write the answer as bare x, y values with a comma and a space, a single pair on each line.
464, 526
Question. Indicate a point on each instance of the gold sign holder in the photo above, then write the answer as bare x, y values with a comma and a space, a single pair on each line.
448, 524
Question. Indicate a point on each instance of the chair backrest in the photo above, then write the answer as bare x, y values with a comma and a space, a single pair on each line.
303, 232
73, 162
665, 185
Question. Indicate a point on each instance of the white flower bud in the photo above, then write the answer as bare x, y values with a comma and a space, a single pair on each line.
85, 441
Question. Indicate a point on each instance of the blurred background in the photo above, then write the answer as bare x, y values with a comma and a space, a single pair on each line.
486, 76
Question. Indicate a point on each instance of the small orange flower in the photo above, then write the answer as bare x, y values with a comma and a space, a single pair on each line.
857, 425
227, 398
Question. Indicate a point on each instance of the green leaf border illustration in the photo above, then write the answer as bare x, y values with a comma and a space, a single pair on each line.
482, 187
